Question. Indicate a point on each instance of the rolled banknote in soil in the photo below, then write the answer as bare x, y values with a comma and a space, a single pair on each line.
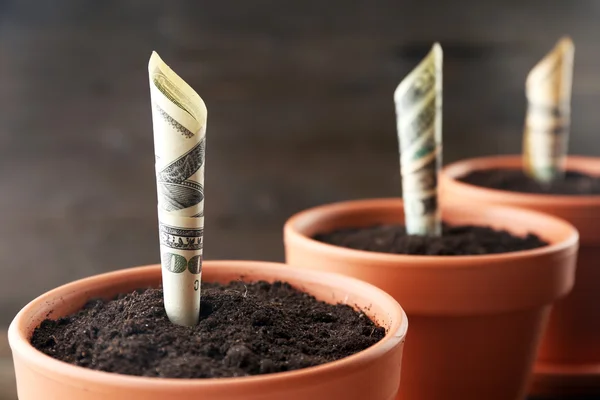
179, 123
547, 125
418, 101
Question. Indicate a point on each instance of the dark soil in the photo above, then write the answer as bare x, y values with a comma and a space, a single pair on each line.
455, 240
245, 329
574, 183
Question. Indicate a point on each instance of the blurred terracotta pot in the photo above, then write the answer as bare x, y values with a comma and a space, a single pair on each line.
476, 321
569, 357
372, 373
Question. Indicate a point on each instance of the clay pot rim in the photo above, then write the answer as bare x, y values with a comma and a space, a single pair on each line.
453, 171
291, 233
395, 334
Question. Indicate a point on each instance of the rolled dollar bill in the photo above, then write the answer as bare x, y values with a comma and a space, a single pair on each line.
418, 101
179, 123
547, 125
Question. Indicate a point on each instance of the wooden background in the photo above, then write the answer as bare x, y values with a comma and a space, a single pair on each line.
300, 106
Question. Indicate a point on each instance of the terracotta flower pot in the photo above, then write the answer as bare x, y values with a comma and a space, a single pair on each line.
569, 357
476, 321
372, 373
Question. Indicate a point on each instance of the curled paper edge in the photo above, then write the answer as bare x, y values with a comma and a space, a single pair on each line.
156, 60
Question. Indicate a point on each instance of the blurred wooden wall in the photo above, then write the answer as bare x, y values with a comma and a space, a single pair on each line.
300, 113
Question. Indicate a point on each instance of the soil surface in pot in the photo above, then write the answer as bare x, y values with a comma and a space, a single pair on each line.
573, 184
245, 329
455, 240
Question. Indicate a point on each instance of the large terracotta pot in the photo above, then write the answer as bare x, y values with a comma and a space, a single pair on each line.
476, 321
373, 373
569, 357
